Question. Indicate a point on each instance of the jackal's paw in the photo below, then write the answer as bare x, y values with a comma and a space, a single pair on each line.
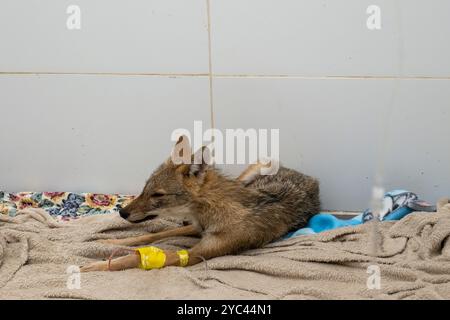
117, 242
95, 266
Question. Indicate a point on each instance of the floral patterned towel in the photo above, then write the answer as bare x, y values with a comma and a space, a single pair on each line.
63, 205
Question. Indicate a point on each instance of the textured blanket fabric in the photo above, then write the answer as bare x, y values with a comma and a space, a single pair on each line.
63, 205
413, 257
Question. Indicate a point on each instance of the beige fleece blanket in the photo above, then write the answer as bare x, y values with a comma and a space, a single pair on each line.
413, 257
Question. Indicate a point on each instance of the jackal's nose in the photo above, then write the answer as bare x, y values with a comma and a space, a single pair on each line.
123, 213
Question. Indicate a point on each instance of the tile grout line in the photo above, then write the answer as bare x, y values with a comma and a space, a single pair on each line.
167, 75
210, 74
358, 77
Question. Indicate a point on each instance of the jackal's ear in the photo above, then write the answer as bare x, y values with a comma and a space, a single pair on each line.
181, 152
201, 161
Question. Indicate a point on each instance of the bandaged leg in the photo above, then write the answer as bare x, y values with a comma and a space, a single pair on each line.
145, 258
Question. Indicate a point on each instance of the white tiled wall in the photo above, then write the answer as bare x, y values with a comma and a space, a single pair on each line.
333, 129
90, 132
139, 36
330, 38
93, 109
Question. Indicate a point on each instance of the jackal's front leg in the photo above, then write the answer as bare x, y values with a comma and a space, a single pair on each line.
212, 246
189, 230
121, 263
209, 247
134, 260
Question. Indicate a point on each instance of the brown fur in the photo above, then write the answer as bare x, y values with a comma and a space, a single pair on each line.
230, 215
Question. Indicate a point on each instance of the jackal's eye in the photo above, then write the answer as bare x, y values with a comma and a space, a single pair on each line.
158, 194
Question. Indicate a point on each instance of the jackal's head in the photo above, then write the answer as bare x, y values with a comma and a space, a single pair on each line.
170, 190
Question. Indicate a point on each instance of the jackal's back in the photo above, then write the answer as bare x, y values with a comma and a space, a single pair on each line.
287, 199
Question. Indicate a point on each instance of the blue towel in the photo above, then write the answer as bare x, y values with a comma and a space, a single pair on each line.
396, 205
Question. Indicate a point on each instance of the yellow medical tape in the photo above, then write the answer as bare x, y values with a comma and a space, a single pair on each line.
184, 257
151, 258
